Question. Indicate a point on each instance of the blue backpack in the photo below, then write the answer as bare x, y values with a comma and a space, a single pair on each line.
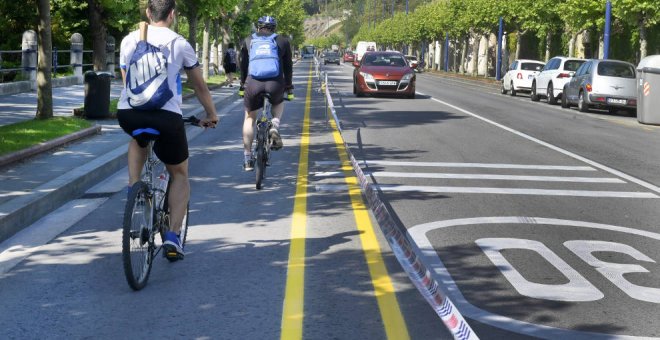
264, 59
147, 86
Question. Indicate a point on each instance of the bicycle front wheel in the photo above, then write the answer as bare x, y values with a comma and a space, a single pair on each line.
137, 237
260, 161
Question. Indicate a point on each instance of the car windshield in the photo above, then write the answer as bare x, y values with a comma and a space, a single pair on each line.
384, 60
531, 66
572, 65
611, 69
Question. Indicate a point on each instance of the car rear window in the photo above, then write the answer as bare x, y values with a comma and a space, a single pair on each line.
573, 65
332, 55
610, 69
531, 66
384, 60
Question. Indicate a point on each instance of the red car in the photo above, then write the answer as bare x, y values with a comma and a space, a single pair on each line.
349, 56
383, 73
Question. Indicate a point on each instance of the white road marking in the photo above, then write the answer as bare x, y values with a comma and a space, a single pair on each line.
466, 165
558, 149
500, 191
450, 288
478, 176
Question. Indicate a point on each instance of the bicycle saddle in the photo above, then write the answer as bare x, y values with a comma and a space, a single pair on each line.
143, 136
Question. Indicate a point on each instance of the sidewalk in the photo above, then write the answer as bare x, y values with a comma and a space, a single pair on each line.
35, 186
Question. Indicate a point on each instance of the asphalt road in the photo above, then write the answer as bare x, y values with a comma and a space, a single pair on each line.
252, 270
537, 221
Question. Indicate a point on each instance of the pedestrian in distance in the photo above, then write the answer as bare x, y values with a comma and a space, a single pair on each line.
151, 60
230, 62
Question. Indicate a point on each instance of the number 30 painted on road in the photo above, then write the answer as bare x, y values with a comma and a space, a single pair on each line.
578, 288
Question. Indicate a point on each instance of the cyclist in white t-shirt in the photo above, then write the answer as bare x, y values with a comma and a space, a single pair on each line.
172, 146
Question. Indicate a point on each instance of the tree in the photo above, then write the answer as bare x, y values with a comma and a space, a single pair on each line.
645, 13
44, 85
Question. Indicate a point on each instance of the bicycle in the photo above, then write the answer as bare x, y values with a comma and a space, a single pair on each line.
263, 146
147, 215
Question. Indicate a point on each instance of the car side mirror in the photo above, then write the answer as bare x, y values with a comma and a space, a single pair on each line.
356, 64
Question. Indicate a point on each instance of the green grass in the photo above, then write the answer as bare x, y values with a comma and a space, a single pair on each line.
18, 136
213, 80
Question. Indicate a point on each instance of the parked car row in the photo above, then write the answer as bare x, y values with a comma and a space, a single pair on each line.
586, 83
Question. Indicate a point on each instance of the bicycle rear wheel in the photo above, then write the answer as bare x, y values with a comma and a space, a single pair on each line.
137, 236
260, 159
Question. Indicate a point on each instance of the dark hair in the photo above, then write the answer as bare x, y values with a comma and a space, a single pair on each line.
160, 9
230, 45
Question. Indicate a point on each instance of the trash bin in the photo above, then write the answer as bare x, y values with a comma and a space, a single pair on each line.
97, 94
648, 90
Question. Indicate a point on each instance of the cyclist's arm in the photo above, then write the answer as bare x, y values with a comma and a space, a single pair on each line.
203, 94
287, 63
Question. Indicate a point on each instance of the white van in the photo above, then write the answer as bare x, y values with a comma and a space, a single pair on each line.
362, 47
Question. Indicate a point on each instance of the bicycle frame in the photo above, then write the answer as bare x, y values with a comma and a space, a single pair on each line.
262, 146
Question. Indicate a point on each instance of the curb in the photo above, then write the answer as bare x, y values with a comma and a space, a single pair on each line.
45, 146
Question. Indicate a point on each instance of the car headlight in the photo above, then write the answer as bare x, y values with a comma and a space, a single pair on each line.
406, 77
367, 77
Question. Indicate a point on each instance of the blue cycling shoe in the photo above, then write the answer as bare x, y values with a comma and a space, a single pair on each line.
172, 247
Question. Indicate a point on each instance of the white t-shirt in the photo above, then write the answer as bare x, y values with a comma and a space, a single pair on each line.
179, 55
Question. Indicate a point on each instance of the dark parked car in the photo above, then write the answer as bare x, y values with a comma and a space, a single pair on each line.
383, 73
331, 58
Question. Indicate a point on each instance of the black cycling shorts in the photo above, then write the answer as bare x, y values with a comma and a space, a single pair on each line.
171, 147
253, 100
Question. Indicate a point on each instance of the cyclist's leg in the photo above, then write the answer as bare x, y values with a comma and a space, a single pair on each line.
179, 194
253, 101
130, 120
137, 155
172, 149
276, 90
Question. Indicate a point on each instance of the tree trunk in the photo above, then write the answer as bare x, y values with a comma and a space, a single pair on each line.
192, 25
548, 44
464, 48
571, 45
98, 33
45, 60
475, 54
205, 49
643, 44
519, 36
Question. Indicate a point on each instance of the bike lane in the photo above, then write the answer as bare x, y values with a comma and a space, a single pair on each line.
233, 281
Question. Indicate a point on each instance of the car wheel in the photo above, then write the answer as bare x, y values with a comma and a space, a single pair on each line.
534, 97
513, 90
412, 95
552, 100
564, 101
582, 106
502, 89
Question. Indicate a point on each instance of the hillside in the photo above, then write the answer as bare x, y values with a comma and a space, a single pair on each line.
317, 26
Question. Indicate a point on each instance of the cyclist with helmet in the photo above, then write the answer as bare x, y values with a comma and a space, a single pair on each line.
266, 67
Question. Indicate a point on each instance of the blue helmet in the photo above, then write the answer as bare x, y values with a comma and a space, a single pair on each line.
267, 22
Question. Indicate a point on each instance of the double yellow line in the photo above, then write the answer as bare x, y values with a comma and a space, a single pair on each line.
293, 311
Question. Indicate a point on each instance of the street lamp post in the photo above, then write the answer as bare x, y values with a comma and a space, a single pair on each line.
606, 38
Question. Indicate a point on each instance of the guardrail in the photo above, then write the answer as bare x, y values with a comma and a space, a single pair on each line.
404, 252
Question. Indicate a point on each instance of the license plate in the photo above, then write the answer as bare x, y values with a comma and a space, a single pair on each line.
616, 101
386, 82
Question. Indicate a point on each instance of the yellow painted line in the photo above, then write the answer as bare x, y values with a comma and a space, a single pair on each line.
395, 326
294, 296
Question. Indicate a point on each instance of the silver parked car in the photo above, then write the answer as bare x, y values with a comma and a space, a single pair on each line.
605, 84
